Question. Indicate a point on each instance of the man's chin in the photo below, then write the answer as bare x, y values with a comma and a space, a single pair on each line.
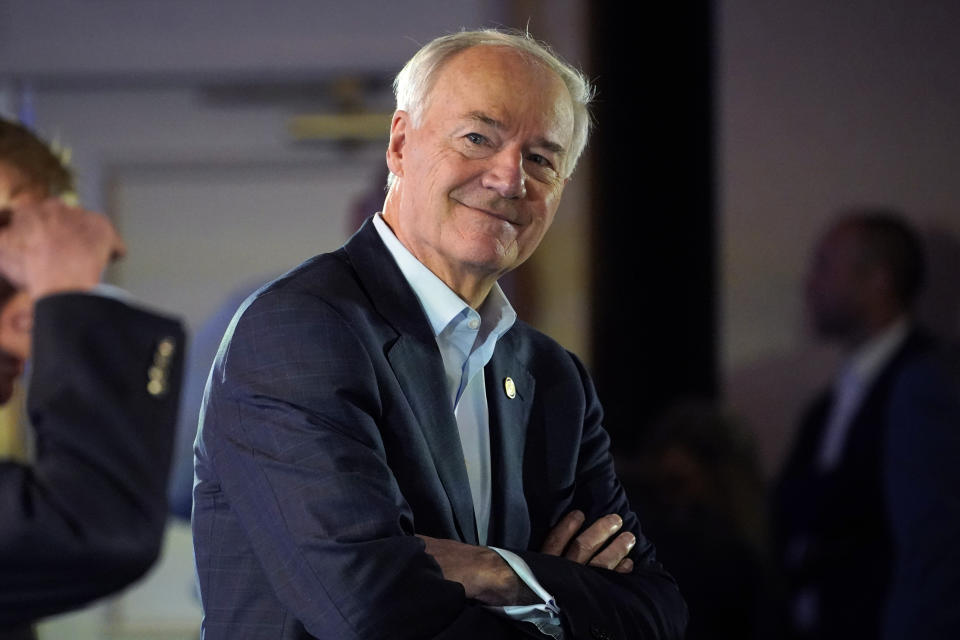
489, 257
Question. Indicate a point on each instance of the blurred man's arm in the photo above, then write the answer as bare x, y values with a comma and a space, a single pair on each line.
87, 517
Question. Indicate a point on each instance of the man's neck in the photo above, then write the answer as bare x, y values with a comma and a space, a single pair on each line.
470, 285
881, 340
873, 328
471, 290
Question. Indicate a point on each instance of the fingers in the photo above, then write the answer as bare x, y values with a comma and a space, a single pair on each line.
615, 553
624, 566
585, 546
561, 534
49, 247
589, 547
99, 230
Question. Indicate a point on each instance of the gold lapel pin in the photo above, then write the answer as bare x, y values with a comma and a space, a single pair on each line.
509, 387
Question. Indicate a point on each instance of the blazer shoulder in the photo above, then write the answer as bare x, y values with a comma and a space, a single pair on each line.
326, 281
316, 313
327, 276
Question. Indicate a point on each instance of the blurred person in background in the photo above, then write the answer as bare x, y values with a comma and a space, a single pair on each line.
85, 515
695, 481
867, 507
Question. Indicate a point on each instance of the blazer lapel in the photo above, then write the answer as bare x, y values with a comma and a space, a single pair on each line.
416, 361
421, 377
509, 518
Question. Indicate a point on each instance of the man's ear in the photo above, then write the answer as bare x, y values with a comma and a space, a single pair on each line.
398, 138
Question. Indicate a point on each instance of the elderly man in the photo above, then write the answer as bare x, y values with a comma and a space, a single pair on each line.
385, 452
87, 516
867, 509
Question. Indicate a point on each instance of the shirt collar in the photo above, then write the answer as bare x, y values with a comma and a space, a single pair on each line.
439, 302
869, 358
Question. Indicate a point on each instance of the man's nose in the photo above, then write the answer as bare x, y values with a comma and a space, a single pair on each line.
506, 175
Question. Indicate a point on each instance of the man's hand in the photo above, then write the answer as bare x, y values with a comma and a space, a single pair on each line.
586, 548
482, 572
49, 247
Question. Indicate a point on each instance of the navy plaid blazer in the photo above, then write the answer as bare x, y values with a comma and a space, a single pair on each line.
327, 441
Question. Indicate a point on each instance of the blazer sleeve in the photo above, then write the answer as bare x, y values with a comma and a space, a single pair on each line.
88, 516
595, 602
922, 483
290, 437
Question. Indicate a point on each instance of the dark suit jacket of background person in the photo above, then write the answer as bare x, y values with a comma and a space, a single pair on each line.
88, 516
328, 440
884, 525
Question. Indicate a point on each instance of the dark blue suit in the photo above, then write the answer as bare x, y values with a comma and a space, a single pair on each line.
882, 529
327, 442
88, 516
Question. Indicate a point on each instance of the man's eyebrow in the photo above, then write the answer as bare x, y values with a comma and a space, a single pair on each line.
480, 116
549, 145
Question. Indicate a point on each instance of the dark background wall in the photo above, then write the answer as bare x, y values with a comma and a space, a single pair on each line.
822, 105
654, 338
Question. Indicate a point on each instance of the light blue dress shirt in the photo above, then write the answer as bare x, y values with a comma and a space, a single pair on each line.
466, 338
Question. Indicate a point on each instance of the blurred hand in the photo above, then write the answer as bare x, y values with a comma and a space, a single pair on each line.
485, 576
585, 548
48, 247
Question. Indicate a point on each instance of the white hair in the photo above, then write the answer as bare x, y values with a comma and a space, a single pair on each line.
413, 84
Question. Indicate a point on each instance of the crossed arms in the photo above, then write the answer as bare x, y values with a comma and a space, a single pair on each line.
318, 515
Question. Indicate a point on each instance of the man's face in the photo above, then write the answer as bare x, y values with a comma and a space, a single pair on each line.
480, 179
835, 291
16, 312
16, 322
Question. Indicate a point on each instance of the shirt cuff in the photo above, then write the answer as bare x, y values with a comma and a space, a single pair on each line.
545, 616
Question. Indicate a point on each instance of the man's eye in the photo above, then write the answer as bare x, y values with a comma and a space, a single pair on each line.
476, 138
540, 160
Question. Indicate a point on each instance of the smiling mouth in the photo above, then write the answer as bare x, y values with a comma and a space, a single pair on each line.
504, 217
